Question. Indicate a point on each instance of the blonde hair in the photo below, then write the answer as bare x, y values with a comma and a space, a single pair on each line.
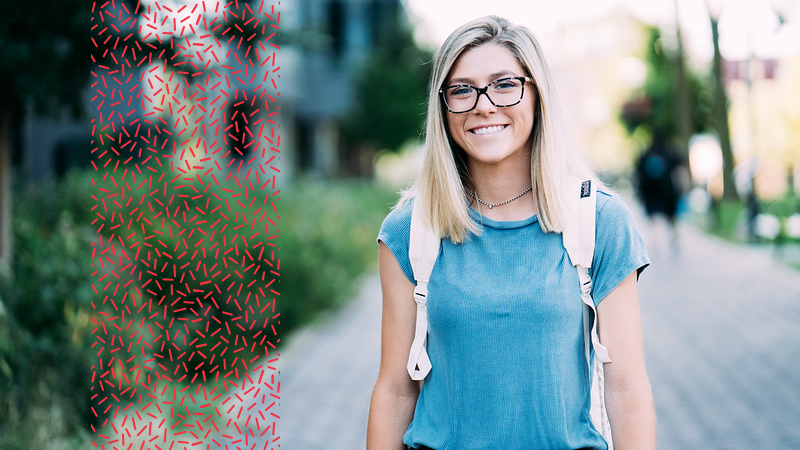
442, 182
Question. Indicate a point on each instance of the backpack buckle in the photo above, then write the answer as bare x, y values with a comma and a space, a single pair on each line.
421, 293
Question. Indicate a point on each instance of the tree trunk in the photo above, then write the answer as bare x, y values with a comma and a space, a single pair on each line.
721, 120
685, 108
5, 193
366, 161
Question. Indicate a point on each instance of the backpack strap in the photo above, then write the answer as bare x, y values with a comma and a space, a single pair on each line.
579, 237
423, 250
579, 241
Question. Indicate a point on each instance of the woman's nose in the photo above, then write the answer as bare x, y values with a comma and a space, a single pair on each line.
484, 104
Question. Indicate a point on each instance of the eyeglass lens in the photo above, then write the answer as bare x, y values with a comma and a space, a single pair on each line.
502, 93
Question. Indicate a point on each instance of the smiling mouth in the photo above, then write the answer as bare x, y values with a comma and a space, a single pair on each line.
482, 131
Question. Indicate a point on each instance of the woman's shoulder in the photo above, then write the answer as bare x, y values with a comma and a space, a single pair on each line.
619, 248
399, 218
611, 207
395, 233
396, 228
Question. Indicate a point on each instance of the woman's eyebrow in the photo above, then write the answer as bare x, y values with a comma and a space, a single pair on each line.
493, 76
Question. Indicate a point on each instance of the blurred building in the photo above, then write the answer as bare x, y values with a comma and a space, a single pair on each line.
323, 44
48, 146
765, 123
330, 40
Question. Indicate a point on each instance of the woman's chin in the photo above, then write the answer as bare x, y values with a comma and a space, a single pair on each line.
491, 156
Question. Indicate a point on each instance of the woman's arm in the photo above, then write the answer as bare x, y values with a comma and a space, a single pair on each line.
629, 398
395, 393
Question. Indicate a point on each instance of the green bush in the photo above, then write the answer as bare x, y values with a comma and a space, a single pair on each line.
728, 219
327, 240
44, 367
783, 207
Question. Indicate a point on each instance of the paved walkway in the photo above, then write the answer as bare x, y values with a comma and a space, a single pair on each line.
328, 373
722, 342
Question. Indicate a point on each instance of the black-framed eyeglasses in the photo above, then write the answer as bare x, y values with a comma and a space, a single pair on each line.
502, 93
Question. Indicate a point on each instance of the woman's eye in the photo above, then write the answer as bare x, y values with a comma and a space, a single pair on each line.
461, 91
505, 85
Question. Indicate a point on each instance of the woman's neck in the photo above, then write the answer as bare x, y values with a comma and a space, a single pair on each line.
493, 185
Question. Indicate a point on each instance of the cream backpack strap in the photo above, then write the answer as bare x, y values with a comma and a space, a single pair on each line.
423, 250
579, 241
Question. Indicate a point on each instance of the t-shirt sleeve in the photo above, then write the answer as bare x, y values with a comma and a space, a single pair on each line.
619, 248
395, 232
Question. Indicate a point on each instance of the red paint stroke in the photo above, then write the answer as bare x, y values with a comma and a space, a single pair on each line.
185, 256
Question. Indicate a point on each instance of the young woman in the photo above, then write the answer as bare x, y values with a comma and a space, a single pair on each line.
505, 329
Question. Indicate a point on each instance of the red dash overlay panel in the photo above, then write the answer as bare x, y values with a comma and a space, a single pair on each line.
185, 255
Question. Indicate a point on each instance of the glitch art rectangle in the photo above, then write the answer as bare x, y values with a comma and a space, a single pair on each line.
186, 152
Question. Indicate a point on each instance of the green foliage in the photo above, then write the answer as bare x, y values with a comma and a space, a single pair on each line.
783, 207
42, 55
327, 241
728, 218
226, 263
391, 93
657, 109
330, 241
44, 370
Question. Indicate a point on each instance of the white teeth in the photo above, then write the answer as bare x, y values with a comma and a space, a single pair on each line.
487, 130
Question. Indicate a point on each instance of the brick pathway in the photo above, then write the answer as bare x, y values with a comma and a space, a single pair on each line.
722, 342
330, 370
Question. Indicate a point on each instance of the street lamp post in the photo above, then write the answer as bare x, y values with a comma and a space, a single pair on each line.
721, 106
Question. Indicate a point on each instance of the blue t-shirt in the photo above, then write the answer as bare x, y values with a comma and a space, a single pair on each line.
505, 332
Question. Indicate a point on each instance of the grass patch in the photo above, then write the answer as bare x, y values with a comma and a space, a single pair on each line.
328, 244
727, 221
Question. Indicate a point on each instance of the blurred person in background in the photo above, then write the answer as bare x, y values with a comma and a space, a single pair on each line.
661, 180
505, 319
